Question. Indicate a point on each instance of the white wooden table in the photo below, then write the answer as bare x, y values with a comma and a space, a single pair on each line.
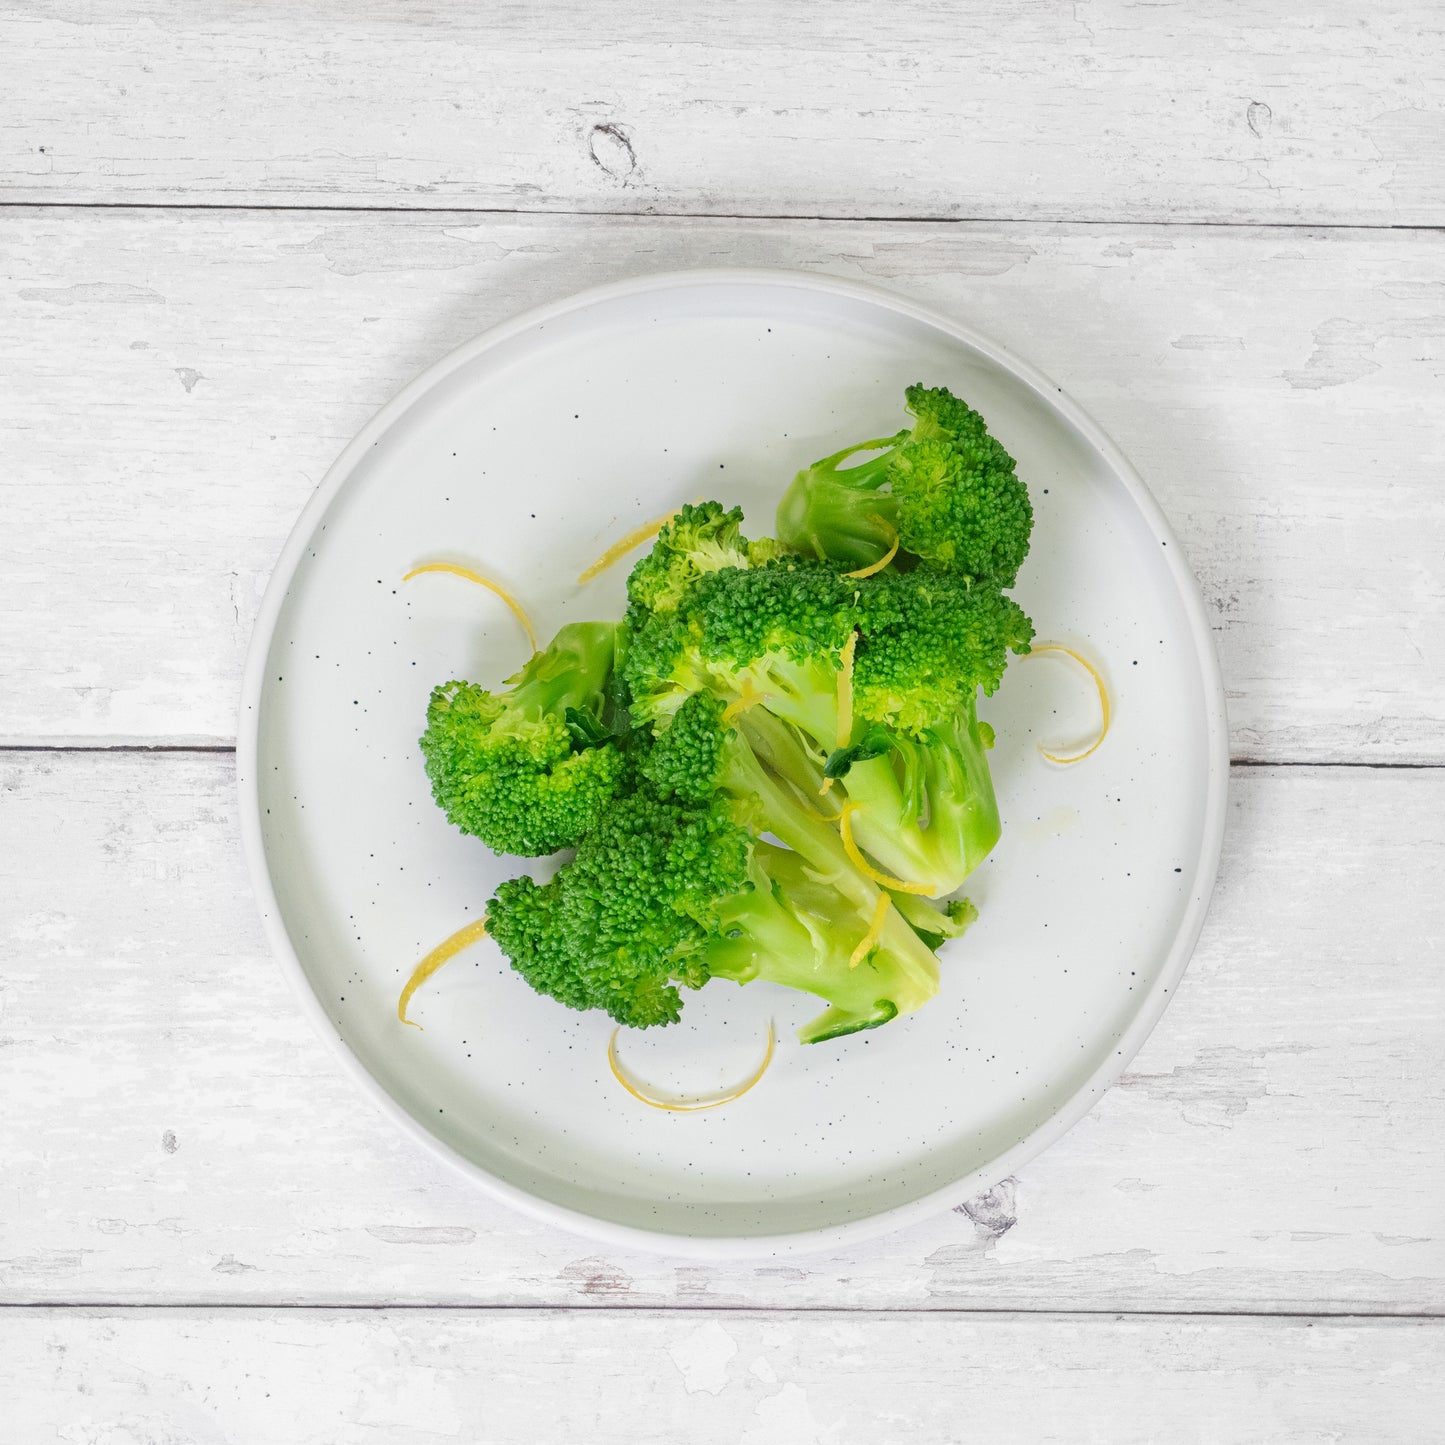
230, 231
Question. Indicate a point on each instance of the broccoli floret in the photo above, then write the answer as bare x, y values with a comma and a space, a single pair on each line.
928, 640
945, 489
702, 537
613, 929
918, 770
523, 918
929, 643
776, 630
674, 886
700, 542
529, 770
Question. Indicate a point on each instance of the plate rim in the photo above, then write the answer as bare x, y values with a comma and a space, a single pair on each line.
823, 1237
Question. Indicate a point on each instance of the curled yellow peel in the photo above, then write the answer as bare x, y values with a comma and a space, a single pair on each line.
875, 932
686, 1104
624, 545
518, 611
1039, 649
850, 847
751, 697
881, 563
462, 938
845, 690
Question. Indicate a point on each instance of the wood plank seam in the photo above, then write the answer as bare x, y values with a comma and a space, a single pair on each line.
709, 1311
922, 218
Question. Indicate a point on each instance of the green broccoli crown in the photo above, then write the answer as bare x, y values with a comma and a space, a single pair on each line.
525, 918
702, 537
938, 413
629, 919
956, 509
662, 667
790, 609
686, 761
521, 769
930, 642
794, 606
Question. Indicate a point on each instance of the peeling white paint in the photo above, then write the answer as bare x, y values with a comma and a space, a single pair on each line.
787, 1418
702, 1358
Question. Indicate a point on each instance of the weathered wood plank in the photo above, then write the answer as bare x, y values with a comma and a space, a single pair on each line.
174, 385
407, 1377
1102, 110
174, 1133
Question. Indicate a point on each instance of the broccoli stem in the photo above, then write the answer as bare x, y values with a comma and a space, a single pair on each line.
802, 693
835, 902
785, 751
806, 943
927, 811
783, 811
860, 522
573, 670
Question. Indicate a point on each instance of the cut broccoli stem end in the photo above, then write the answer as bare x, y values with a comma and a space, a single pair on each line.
836, 1023
572, 671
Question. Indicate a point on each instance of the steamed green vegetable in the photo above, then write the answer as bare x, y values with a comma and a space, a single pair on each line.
770, 769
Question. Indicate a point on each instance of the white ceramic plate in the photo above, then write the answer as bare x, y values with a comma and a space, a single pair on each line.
527, 452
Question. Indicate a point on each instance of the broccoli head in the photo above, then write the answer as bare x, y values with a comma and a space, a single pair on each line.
777, 630
945, 489
528, 770
772, 767
701, 537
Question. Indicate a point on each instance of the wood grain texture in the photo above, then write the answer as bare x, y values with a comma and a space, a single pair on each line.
176, 383
1096, 110
646, 1378
175, 1134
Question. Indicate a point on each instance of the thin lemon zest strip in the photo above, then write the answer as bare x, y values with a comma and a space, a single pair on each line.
845, 831
827, 783
686, 1105
845, 690
875, 932
624, 545
462, 938
1037, 650
518, 611
751, 697
881, 563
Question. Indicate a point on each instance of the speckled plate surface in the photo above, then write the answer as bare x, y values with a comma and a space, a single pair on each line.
524, 454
